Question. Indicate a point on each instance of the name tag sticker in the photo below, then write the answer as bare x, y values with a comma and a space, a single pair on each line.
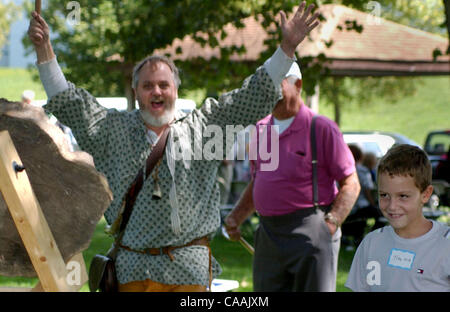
402, 259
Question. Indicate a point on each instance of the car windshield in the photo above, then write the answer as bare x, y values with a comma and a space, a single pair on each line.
372, 147
378, 144
438, 143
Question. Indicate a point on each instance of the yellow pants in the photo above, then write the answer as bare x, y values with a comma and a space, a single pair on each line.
151, 286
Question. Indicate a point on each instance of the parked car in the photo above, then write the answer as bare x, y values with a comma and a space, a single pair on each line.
379, 142
376, 142
437, 146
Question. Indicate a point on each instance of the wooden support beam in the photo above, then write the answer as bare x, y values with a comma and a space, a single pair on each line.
29, 219
83, 278
78, 271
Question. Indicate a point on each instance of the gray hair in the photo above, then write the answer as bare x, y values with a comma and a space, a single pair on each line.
153, 59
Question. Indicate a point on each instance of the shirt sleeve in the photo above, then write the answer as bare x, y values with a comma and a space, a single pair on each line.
356, 280
255, 98
74, 107
244, 106
78, 109
52, 77
278, 65
338, 155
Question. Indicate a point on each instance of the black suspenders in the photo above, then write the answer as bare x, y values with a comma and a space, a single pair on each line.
314, 162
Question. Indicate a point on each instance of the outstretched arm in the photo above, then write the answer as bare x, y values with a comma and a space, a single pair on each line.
297, 28
50, 73
293, 33
72, 106
38, 32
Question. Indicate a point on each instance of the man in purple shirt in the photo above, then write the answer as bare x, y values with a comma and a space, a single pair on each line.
297, 243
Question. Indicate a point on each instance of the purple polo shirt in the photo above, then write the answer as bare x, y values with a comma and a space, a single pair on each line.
289, 187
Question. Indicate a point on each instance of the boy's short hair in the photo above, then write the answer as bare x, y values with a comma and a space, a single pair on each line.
407, 160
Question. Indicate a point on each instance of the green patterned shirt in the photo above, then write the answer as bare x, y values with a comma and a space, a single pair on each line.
189, 207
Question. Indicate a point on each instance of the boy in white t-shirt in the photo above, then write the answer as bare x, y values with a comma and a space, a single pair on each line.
413, 253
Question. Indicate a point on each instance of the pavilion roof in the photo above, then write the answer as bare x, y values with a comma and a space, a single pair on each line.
382, 48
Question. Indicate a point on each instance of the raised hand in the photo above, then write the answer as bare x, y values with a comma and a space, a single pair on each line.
39, 34
38, 31
297, 28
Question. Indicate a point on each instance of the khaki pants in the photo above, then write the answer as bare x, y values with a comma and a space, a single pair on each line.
151, 286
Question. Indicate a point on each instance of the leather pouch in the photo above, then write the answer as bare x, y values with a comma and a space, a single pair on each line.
102, 274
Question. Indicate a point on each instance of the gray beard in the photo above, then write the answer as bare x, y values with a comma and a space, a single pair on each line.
164, 119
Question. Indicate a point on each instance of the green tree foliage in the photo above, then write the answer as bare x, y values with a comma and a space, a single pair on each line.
99, 51
8, 13
344, 92
109, 37
428, 15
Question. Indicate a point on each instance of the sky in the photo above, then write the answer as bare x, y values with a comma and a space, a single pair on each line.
14, 55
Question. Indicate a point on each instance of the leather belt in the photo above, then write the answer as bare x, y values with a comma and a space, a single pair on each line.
203, 241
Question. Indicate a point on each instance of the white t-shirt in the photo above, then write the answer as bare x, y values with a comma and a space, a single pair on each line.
387, 262
283, 124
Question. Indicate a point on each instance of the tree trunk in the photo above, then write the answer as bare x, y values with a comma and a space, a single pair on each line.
447, 21
336, 102
312, 101
127, 79
129, 94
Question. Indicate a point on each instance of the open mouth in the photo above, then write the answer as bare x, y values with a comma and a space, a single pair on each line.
157, 104
395, 216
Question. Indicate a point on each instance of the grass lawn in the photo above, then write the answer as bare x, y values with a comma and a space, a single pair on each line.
235, 261
100, 243
13, 81
413, 116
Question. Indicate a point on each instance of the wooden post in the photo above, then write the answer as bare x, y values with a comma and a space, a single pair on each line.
38, 287
31, 223
312, 101
78, 258
37, 6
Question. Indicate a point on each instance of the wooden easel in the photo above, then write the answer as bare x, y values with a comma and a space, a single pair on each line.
32, 225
